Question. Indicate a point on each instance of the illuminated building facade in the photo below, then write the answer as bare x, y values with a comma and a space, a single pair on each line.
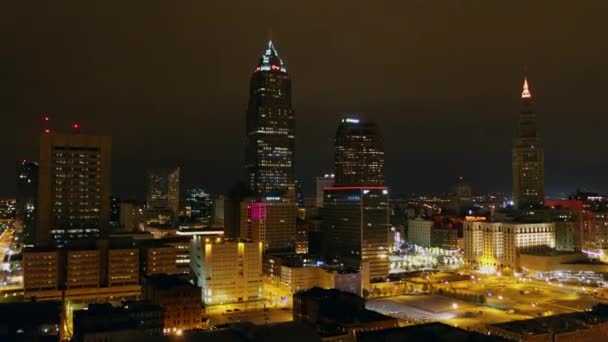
163, 190
27, 190
419, 231
160, 260
73, 187
495, 244
528, 157
90, 274
359, 153
271, 221
197, 205
227, 271
356, 224
356, 209
270, 152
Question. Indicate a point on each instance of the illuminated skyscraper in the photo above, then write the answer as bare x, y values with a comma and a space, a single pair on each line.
359, 153
270, 128
528, 157
356, 209
27, 190
163, 190
73, 187
197, 205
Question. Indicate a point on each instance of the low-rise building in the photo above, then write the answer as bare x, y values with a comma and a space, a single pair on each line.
31, 321
131, 321
88, 274
436, 332
337, 313
498, 244
578, 326
180, 300
228, 271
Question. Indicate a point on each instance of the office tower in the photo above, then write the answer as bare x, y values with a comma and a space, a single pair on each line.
359, 153
356, 210
73, 187
321, 183
270, 128
132, 214
227, 271
163, 190
27, 190
356, 224
232, 209
197, 205
114, 212
217, 209
270, 221
528, 157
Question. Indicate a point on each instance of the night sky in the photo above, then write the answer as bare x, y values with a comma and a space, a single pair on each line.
168, 80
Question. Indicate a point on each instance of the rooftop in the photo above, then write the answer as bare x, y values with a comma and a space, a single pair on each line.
167, 281
558, 323
425, 332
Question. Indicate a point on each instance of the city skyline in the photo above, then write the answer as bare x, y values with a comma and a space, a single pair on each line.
426, 106
347, 171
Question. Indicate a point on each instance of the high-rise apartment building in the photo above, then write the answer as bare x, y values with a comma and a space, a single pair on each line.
163, 190
27, 191
359, 153
528, 157
73, 187
270, 153
228, 271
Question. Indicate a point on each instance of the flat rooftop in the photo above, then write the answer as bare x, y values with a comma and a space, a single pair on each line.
557, 324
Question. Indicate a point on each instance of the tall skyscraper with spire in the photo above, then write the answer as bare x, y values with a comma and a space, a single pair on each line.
528, 157
270, 150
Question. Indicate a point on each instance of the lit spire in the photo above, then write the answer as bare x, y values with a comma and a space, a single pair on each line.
270, 60
525, 94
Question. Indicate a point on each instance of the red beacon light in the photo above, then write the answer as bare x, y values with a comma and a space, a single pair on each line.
47, 118
46, 130
75, 126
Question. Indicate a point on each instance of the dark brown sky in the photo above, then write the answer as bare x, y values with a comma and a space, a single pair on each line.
168, 80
